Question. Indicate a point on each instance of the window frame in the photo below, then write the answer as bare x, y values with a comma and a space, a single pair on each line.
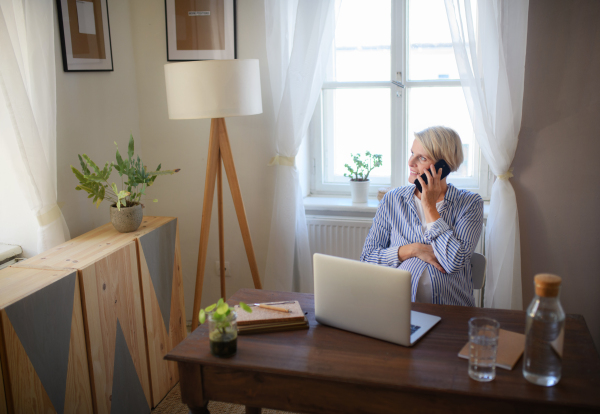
399, 122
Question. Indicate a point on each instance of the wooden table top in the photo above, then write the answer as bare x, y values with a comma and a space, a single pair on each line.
16, 283
432, 365
88, 248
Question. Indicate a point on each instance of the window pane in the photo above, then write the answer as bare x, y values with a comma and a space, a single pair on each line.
443, 106
358, 121
362, 41
430, 53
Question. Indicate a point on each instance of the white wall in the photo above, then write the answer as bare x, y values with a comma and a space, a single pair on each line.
94, 110
184, 144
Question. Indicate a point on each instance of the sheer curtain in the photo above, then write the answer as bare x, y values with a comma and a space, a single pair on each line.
489, 39
28, 111
299, 36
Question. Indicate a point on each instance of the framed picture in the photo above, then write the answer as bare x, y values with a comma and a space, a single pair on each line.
85, 35
200, 29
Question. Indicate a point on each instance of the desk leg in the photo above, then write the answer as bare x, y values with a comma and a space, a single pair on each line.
190, 384
253, 410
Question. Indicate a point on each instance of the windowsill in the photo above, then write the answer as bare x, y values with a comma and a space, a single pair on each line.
343, 206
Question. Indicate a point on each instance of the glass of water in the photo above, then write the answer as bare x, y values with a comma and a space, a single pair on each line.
483, 344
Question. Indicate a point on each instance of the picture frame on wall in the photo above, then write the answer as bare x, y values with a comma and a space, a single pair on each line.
200, 29
85, 35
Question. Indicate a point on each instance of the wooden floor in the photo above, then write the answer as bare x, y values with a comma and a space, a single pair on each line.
172, 404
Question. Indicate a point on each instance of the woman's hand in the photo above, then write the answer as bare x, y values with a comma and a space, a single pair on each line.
420, 251
432, 191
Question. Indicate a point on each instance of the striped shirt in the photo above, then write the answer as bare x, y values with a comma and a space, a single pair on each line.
453, 238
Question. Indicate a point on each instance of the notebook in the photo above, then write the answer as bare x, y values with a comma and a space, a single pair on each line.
510, 348
368, 299
262, 320
263, 316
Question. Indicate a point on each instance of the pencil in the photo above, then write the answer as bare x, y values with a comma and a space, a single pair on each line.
275, 308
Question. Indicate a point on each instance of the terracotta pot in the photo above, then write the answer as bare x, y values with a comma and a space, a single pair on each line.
359, 191
127, 219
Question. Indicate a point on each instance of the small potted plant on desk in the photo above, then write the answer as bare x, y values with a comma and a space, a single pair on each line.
126, 210
222, 327
359, 175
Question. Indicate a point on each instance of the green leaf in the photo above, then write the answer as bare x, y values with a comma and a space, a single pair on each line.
84, 167
245, 307
220, 302
155, 200
130, 148
202, 316
79, 176
222, 309
211, 307
92, 164
165, 172
119, 161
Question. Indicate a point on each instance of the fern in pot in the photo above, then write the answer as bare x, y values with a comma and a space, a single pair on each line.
126, 208
359, 175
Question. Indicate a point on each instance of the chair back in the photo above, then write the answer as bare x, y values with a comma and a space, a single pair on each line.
478, 265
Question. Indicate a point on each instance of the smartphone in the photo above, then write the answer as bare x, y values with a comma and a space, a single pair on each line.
440, 164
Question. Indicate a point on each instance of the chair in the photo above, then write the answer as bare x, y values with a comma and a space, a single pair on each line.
478, 265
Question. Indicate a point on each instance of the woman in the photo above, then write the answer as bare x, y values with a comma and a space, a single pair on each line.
431, 234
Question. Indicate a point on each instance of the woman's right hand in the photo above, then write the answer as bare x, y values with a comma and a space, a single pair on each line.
420, 251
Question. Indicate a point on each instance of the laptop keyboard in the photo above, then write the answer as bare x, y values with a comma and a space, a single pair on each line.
414, 328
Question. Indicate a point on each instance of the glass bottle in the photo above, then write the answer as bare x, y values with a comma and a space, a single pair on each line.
544, 332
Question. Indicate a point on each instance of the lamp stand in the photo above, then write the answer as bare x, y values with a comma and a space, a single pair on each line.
219, 149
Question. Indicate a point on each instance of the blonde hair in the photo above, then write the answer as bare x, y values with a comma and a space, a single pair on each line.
442, 143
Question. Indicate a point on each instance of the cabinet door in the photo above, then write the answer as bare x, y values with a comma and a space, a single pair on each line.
44, 363
115, 333
164, 311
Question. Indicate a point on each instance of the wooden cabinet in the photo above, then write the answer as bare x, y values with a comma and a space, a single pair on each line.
132, 307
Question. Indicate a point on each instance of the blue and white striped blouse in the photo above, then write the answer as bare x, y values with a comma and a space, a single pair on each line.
453, 237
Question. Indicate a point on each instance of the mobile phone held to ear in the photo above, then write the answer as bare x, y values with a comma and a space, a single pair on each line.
440, 164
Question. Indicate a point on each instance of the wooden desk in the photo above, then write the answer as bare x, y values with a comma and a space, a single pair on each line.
327, 370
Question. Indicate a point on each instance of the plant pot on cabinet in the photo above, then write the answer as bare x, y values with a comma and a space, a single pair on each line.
359, 191
127, 219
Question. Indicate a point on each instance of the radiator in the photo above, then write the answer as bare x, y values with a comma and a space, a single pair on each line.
341, 237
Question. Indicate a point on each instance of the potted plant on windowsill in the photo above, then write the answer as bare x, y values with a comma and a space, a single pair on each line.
126, 208
359, 175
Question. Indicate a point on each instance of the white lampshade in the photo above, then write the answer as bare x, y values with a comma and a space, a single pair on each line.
213, 88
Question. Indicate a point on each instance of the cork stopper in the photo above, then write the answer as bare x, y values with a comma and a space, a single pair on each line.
547, 285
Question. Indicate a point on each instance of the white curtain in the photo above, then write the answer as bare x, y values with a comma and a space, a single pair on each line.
299, 36
28, 111
489, 39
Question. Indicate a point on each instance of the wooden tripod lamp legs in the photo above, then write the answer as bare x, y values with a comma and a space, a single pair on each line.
219, 148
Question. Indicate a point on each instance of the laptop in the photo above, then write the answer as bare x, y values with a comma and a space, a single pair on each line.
368, 299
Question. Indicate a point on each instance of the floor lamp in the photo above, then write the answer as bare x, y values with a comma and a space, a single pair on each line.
216, 89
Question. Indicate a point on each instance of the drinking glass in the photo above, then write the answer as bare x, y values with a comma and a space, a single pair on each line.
483, 344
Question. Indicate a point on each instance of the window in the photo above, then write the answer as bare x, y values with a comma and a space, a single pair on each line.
361, 110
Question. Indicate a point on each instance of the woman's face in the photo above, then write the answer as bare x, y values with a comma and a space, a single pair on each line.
418, 162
